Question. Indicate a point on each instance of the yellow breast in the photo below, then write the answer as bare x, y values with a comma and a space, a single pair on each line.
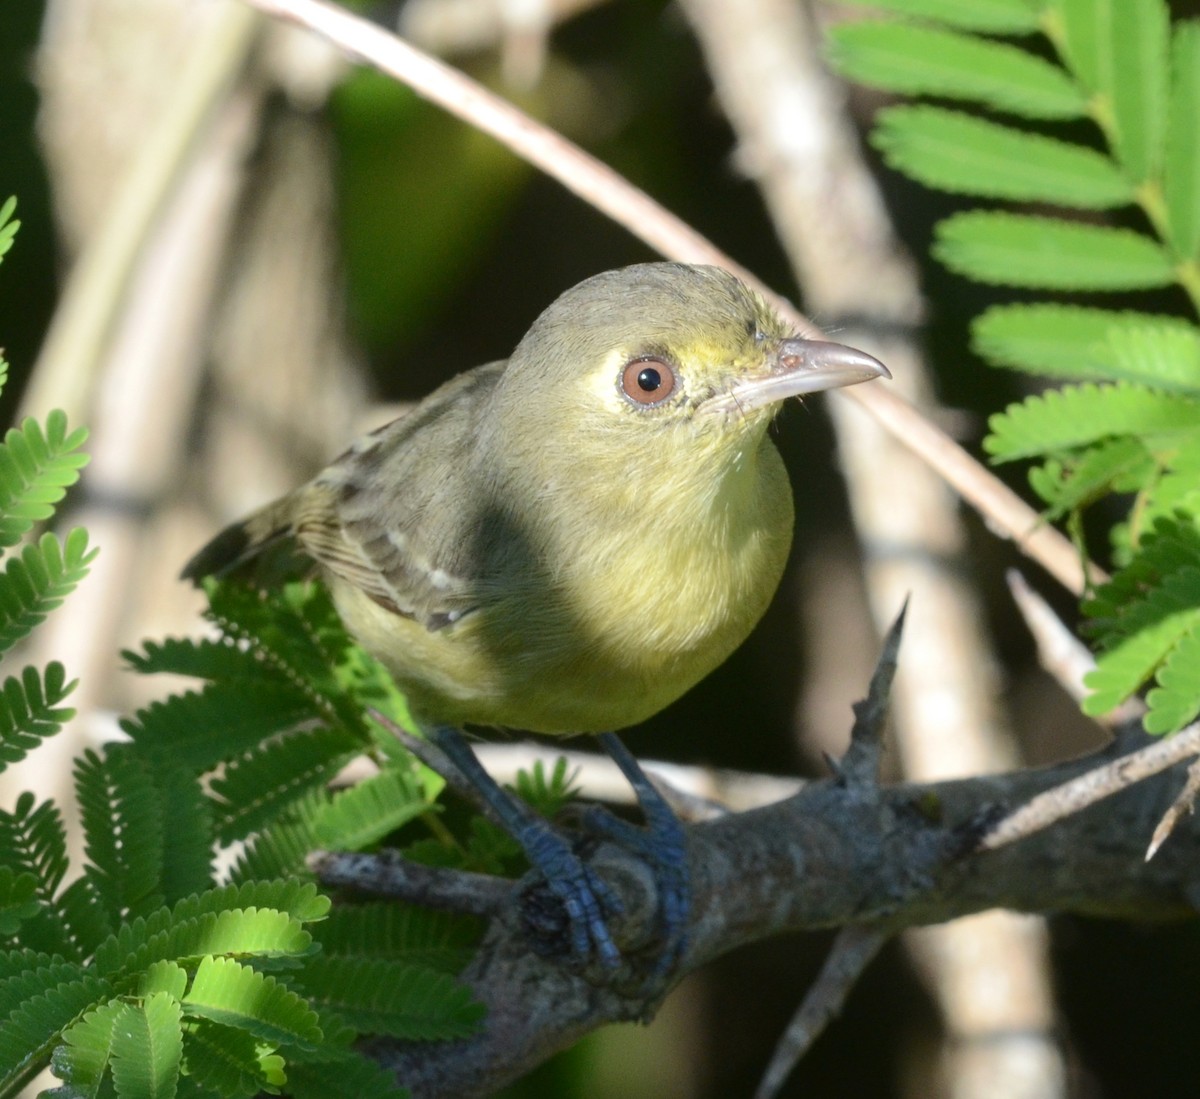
626, 623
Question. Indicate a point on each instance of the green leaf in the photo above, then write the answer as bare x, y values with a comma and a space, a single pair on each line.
1177, 491
1119, 51
282, 848
255, 917
28, 975
1151, 629
299, 900
298, 631
189, 838
232, 1062
435, 940
924, 61
8, 228
377, 996
30, 1032
36, 469
82, 1059
198, 730
349, 1076
36, 582
1169, 546
985, 16
211, 658
18, 900
548, 793
19, 962
164, 976
84, 917
33, 840
1072, 342
30, 711
1181, 169
1080, 415
124, 821
1045, 253
226, 992
368, 811
957, 152
263, 933
147, 1048
1176, 699
1165, 356
1068, 486
258, 787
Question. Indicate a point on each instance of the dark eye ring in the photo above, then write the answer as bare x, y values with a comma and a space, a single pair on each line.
648, 380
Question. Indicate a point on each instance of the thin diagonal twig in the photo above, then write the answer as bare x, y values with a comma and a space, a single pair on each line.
852, 951
1077, 794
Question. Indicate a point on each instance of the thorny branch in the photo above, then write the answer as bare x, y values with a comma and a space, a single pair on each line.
843, 852
832, 856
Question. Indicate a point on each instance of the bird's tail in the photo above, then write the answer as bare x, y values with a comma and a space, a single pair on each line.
242, 542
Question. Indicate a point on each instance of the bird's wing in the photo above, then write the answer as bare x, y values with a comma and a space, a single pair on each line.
393, 515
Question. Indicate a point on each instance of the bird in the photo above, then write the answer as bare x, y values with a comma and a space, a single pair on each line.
566, 541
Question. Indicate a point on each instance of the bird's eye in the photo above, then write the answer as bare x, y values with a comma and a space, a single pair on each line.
647, 381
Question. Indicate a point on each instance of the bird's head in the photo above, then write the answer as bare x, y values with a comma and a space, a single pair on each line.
678, 366
659, 345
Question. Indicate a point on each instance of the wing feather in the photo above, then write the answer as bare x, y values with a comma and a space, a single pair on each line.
395, 515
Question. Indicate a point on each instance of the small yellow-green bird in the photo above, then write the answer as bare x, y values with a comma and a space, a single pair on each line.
565, 542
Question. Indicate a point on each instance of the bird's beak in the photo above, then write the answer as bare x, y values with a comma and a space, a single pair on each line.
797, 367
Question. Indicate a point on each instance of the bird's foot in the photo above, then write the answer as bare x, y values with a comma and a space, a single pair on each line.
662, 847
567, 911
661, 844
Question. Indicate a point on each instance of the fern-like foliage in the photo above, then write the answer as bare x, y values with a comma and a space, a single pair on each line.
36, 468
30, 710
248, 757
391, 997
38, 463
156, 977
1126, 421
142, 974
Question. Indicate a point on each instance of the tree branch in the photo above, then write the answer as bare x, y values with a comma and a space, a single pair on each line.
836, 854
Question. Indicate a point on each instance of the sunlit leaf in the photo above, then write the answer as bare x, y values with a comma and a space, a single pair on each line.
1161, 356
1079, 415
1181, 170
957, 152
1045, 253
1119, 50
919, 60
225, 991
1060, 341
147, 1047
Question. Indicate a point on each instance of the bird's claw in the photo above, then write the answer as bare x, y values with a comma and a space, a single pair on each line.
662, 845
571, 902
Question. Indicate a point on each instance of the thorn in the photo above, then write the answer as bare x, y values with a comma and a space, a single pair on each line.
862, 758
1183, 803
853, 950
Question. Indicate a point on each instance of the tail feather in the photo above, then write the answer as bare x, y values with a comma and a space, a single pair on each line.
241, 542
